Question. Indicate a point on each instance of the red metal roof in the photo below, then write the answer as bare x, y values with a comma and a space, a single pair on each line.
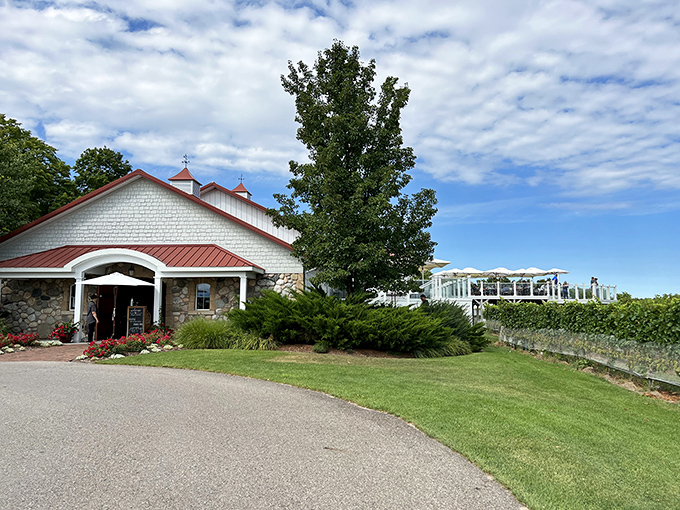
135, 175
172, 255
184, 175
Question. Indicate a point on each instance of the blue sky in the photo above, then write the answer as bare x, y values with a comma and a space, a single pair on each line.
549, 129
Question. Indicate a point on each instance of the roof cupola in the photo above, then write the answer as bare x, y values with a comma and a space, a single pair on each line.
242, 191
186, 182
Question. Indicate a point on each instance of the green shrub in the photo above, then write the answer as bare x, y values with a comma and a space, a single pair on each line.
477, 338
643, 320
314, 318
453, 316
200, 333
321, 348
270, 315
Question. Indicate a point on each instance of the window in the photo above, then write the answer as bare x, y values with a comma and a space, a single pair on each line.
203, 296
72, 298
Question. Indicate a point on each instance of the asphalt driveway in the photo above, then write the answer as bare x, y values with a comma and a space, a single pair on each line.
76, 435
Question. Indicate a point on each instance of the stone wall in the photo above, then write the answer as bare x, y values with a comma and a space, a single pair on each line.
180, 298
36, 306
180, 295
283, 283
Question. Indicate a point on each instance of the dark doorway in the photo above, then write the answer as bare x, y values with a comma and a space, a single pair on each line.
114, 324
105, 311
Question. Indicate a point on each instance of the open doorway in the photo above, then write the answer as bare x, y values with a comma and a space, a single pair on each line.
113, 305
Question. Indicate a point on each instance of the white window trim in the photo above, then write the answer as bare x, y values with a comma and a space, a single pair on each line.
198, 285
72, 298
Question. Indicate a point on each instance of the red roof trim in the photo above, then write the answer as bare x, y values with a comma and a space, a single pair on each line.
213, 185
134, 175
172, 255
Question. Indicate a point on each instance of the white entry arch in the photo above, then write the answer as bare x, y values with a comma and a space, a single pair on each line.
110, 256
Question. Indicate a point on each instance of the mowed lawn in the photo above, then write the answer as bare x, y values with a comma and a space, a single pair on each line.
556, 437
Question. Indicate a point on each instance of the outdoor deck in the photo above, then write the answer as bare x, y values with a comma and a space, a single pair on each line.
474, 294
465, 288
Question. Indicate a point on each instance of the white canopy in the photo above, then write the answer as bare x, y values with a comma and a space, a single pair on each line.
115, 279
468, 271
499, 271
434, 263
532, 271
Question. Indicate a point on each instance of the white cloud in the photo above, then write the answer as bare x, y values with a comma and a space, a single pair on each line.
582, 95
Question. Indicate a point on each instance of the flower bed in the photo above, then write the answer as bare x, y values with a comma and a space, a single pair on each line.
155, 340
22, 339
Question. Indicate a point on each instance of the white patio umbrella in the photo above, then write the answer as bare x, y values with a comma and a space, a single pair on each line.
473, 272
554, 270
534, 271
115, 279
432, 264
468, 271
499, 271
449, 272
531, 272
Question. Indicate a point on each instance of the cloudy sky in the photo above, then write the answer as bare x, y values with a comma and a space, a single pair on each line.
549, 129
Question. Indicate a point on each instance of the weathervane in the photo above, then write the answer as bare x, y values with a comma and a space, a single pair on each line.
185, 160
241, 178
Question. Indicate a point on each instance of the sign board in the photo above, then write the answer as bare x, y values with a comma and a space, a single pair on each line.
135, 320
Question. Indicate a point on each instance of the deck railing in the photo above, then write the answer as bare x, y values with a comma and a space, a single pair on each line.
465, 288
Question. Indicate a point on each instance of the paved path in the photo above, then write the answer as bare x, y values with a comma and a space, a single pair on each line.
77, 435
66, 352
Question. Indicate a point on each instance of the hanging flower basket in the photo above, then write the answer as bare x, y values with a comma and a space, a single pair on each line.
64, 332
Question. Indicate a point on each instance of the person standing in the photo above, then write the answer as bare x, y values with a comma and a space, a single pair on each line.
565, 290
92, 319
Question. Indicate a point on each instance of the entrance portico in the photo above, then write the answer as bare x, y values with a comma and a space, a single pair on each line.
186, 264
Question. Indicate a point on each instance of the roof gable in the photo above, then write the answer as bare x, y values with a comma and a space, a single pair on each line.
214, 186
133, 176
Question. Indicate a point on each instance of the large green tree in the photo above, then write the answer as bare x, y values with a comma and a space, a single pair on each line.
17, 177
97, 167
356, 227
33, 180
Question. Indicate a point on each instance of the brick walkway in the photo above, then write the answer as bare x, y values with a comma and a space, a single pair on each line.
66, 352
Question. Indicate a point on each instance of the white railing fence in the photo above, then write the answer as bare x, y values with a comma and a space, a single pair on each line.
466, 288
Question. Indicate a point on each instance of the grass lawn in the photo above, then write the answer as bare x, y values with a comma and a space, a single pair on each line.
556, 437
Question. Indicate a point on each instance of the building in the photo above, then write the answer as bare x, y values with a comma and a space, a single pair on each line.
205, 249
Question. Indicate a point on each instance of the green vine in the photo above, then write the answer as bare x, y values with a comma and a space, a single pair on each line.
649, 360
